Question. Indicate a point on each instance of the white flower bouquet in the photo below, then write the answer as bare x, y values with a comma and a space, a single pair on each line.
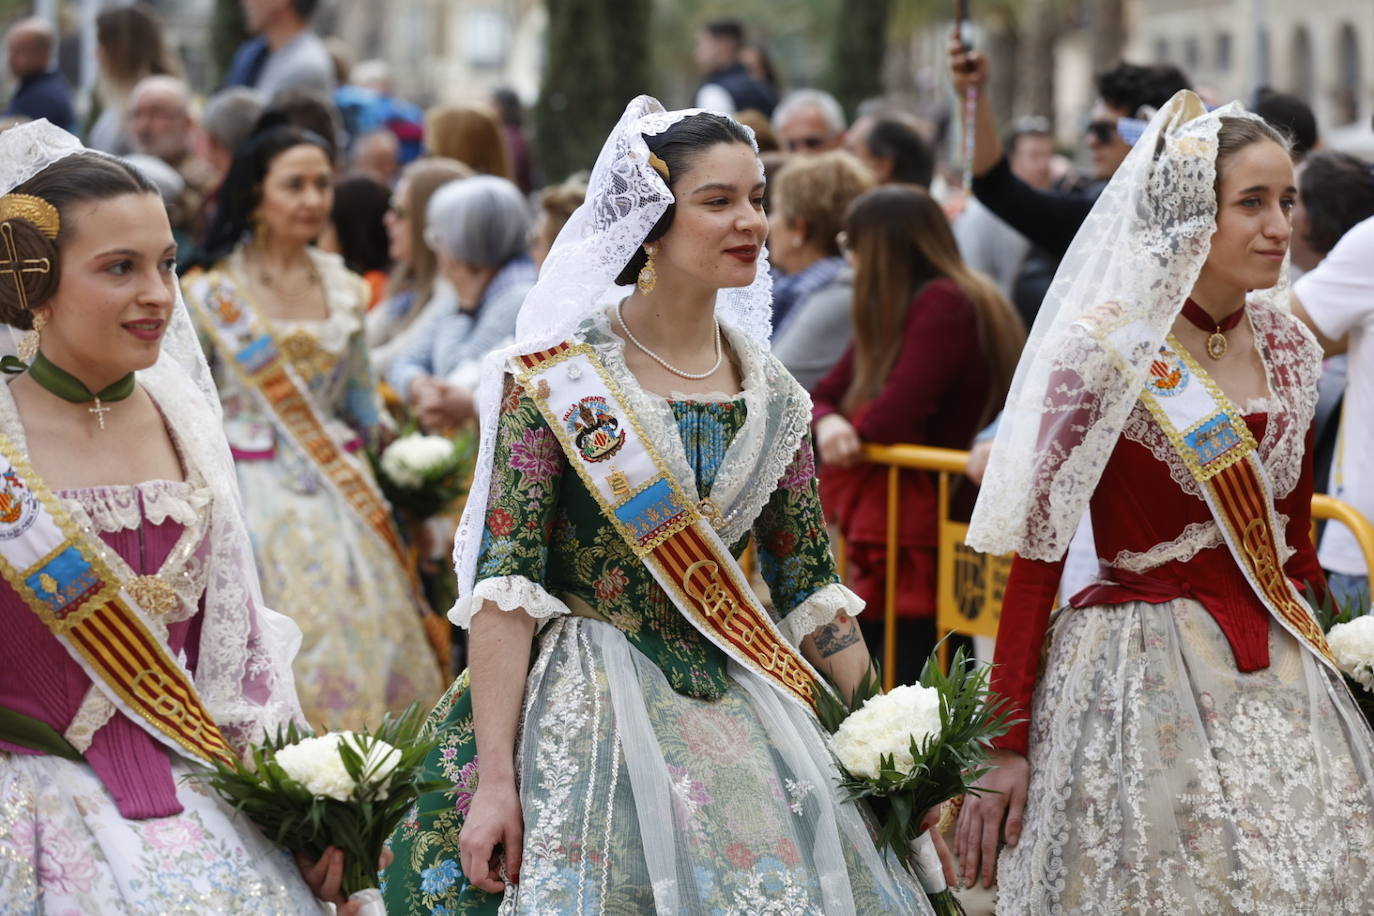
911, 750
1349, 628
343, 789
422, 475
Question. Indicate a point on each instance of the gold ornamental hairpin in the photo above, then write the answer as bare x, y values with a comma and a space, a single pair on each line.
31, 209
659, 165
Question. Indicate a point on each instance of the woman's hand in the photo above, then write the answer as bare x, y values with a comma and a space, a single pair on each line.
838, 441
324, 877
492, 835
441, 406
978, 461
931, 822
980, 821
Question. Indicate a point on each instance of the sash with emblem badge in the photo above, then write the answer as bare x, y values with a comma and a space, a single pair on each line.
672, 534
1211, 437
57, 571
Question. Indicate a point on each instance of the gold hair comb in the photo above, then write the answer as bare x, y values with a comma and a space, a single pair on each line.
659, 165
31, 209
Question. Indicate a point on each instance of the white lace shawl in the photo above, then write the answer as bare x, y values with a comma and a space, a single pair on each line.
1138, 254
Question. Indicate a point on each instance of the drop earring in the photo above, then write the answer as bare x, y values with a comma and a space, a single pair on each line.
28, 341
648, 274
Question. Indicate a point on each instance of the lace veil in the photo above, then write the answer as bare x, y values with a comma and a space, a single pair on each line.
625, 198
243, 673
1135, 260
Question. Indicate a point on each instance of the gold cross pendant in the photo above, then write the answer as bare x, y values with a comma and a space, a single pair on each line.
99, 412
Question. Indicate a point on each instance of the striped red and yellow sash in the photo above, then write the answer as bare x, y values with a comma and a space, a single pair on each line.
58, 573
1211, 437
670, 533
261, 366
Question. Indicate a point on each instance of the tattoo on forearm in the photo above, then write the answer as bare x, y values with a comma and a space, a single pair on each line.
834, 638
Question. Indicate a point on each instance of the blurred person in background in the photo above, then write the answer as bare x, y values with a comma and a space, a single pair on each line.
756, 59
556, 206
323, 538
227, 121
42, 92
727, 86
1333, 237
1291, 115
758, 122
312, 110
284, 53
813, 301
161, 125
1051, 218
935, 345
892, 148
367, 104
986, 242
512, 116
131, 43
377, 154
809, 121
415, 288
470, 135
479, 230
357, 231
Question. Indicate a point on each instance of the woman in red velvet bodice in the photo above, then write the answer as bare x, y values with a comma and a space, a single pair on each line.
1181, 750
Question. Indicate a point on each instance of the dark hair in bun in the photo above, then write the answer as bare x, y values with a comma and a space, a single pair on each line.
677, 147
68, 182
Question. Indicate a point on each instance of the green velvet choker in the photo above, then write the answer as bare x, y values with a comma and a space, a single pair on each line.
70, 388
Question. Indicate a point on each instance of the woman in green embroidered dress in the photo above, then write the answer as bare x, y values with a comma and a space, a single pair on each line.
628, 762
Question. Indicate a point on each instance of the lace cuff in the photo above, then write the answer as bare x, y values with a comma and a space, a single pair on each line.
824, 605
509, 593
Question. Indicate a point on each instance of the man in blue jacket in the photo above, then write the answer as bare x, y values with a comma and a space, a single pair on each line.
41, 93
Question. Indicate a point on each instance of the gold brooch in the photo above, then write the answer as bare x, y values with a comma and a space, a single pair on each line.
31, 209
152, 594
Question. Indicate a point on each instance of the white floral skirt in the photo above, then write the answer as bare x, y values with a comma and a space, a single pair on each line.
1163, 780
65, 850
638, 799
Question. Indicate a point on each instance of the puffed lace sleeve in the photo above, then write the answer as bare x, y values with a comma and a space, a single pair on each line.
526, 478
794, 553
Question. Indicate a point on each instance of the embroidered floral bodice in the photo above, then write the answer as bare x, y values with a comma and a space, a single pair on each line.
543, 527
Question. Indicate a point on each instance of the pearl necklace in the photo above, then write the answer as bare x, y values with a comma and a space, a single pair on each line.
720, 353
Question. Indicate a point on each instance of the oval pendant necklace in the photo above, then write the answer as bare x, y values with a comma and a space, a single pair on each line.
1197, 316
70, 388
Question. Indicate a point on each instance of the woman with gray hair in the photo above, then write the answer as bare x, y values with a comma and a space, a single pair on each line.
478, 229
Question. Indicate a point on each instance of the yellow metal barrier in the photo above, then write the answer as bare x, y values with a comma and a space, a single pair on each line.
969, 584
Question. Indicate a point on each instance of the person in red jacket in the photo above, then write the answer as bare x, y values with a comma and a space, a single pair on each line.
1189, 744
934, 347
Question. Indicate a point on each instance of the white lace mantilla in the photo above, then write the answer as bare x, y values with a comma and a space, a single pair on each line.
1196, 537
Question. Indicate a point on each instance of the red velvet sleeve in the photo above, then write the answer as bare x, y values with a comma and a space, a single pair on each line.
1303, 567
934, 351
829, 391
1026, 607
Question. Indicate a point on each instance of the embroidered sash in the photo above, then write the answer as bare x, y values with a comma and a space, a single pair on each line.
1211, 437
669, 532
262, 368
58, 572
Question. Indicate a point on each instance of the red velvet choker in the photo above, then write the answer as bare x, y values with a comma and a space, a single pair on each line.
1198, 317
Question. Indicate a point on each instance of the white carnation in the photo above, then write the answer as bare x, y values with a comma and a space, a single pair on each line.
316, 764
885, 725
1353, 645
407, 460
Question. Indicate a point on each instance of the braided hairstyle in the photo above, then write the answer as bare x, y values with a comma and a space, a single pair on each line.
67, 183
